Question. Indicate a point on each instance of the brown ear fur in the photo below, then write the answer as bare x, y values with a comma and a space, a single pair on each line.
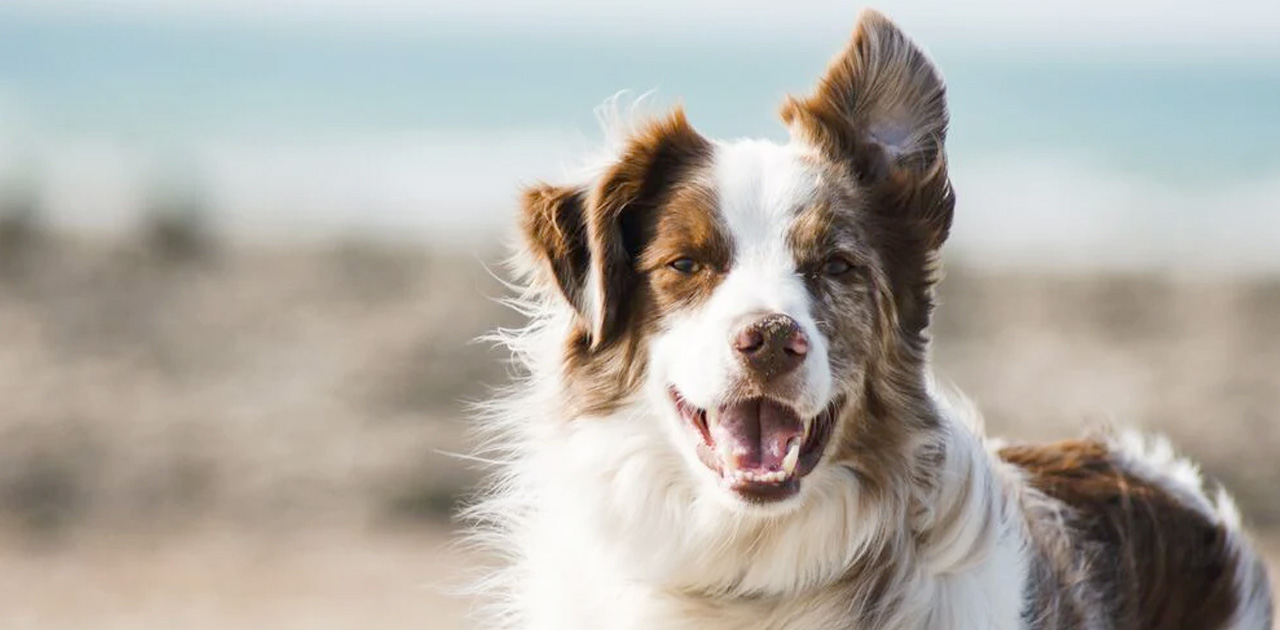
881, 102
624, 206
594, 236
554, 230
880, 112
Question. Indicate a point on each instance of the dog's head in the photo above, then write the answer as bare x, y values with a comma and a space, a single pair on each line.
770, 300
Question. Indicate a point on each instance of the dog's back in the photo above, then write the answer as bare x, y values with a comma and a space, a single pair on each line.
1144, 546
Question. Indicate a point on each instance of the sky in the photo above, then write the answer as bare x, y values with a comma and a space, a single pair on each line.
1187, 27
1146, 131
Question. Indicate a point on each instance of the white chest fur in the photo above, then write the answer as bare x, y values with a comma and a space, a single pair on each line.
608, 539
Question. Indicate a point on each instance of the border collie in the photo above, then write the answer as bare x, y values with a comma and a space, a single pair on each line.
726, 418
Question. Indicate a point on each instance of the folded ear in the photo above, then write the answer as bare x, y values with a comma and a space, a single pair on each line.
588, 239
553, 223
881, 110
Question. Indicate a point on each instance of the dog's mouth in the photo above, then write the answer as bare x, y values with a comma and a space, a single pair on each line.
759, 447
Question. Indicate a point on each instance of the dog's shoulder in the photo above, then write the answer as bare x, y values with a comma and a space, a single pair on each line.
1154, 545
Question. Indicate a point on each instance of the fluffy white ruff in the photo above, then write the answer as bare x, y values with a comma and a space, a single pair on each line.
598, 524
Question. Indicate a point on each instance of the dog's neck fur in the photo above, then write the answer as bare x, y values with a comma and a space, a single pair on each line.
920, 550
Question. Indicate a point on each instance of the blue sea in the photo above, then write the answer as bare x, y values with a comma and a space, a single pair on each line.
1072, 156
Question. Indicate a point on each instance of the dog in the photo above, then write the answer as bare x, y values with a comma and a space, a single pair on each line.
725, 417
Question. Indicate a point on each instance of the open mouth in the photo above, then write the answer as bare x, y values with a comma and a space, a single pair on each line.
759, 447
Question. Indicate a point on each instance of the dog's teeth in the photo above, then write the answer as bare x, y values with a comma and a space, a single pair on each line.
742, 476
791, 458
725, 452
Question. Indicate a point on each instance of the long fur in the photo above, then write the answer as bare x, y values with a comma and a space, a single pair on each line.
598, 513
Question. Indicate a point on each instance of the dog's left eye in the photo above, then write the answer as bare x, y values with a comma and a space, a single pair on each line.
685, 265
836, 266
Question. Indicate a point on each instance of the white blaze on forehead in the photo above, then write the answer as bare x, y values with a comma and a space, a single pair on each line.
759, 187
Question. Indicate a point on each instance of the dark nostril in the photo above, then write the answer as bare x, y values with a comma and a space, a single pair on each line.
749, 340
771, 346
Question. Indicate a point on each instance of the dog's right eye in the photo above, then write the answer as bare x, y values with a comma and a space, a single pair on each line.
685, 265
836, 266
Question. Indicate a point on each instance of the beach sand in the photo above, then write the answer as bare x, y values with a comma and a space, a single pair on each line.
260, 437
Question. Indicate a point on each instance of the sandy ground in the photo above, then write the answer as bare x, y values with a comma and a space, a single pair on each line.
317, 581
337, 581
250, 438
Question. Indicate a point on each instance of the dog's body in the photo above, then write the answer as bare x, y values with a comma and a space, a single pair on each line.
728, 422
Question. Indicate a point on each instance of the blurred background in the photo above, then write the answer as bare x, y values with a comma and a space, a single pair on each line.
245, 246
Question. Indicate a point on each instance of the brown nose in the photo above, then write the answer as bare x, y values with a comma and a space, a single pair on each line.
771, 346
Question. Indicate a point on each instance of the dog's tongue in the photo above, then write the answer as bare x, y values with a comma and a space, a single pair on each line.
755, 435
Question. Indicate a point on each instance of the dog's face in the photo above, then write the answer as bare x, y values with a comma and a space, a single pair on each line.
763, 336
762, 298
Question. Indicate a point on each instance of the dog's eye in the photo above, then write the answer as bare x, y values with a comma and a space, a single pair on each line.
685, 265
836, 266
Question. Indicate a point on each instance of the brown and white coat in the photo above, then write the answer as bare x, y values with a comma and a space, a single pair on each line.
726, 417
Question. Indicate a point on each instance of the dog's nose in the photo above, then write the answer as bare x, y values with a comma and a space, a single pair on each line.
771, 346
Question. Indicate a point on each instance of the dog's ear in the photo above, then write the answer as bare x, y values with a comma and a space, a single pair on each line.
553, 223
880, 109
590, 238
880, 112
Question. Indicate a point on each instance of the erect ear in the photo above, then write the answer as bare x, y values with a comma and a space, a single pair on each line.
881, 110
590, 238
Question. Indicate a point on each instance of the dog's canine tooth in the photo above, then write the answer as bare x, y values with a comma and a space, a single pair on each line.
792, 457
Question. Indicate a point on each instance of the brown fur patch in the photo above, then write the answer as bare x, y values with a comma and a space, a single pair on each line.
881, 104
847, 307
880, 115
1158, 563
624, 212
554, 229
688, 227
647, 210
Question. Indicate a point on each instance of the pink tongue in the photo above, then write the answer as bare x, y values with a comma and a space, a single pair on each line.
754, 435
